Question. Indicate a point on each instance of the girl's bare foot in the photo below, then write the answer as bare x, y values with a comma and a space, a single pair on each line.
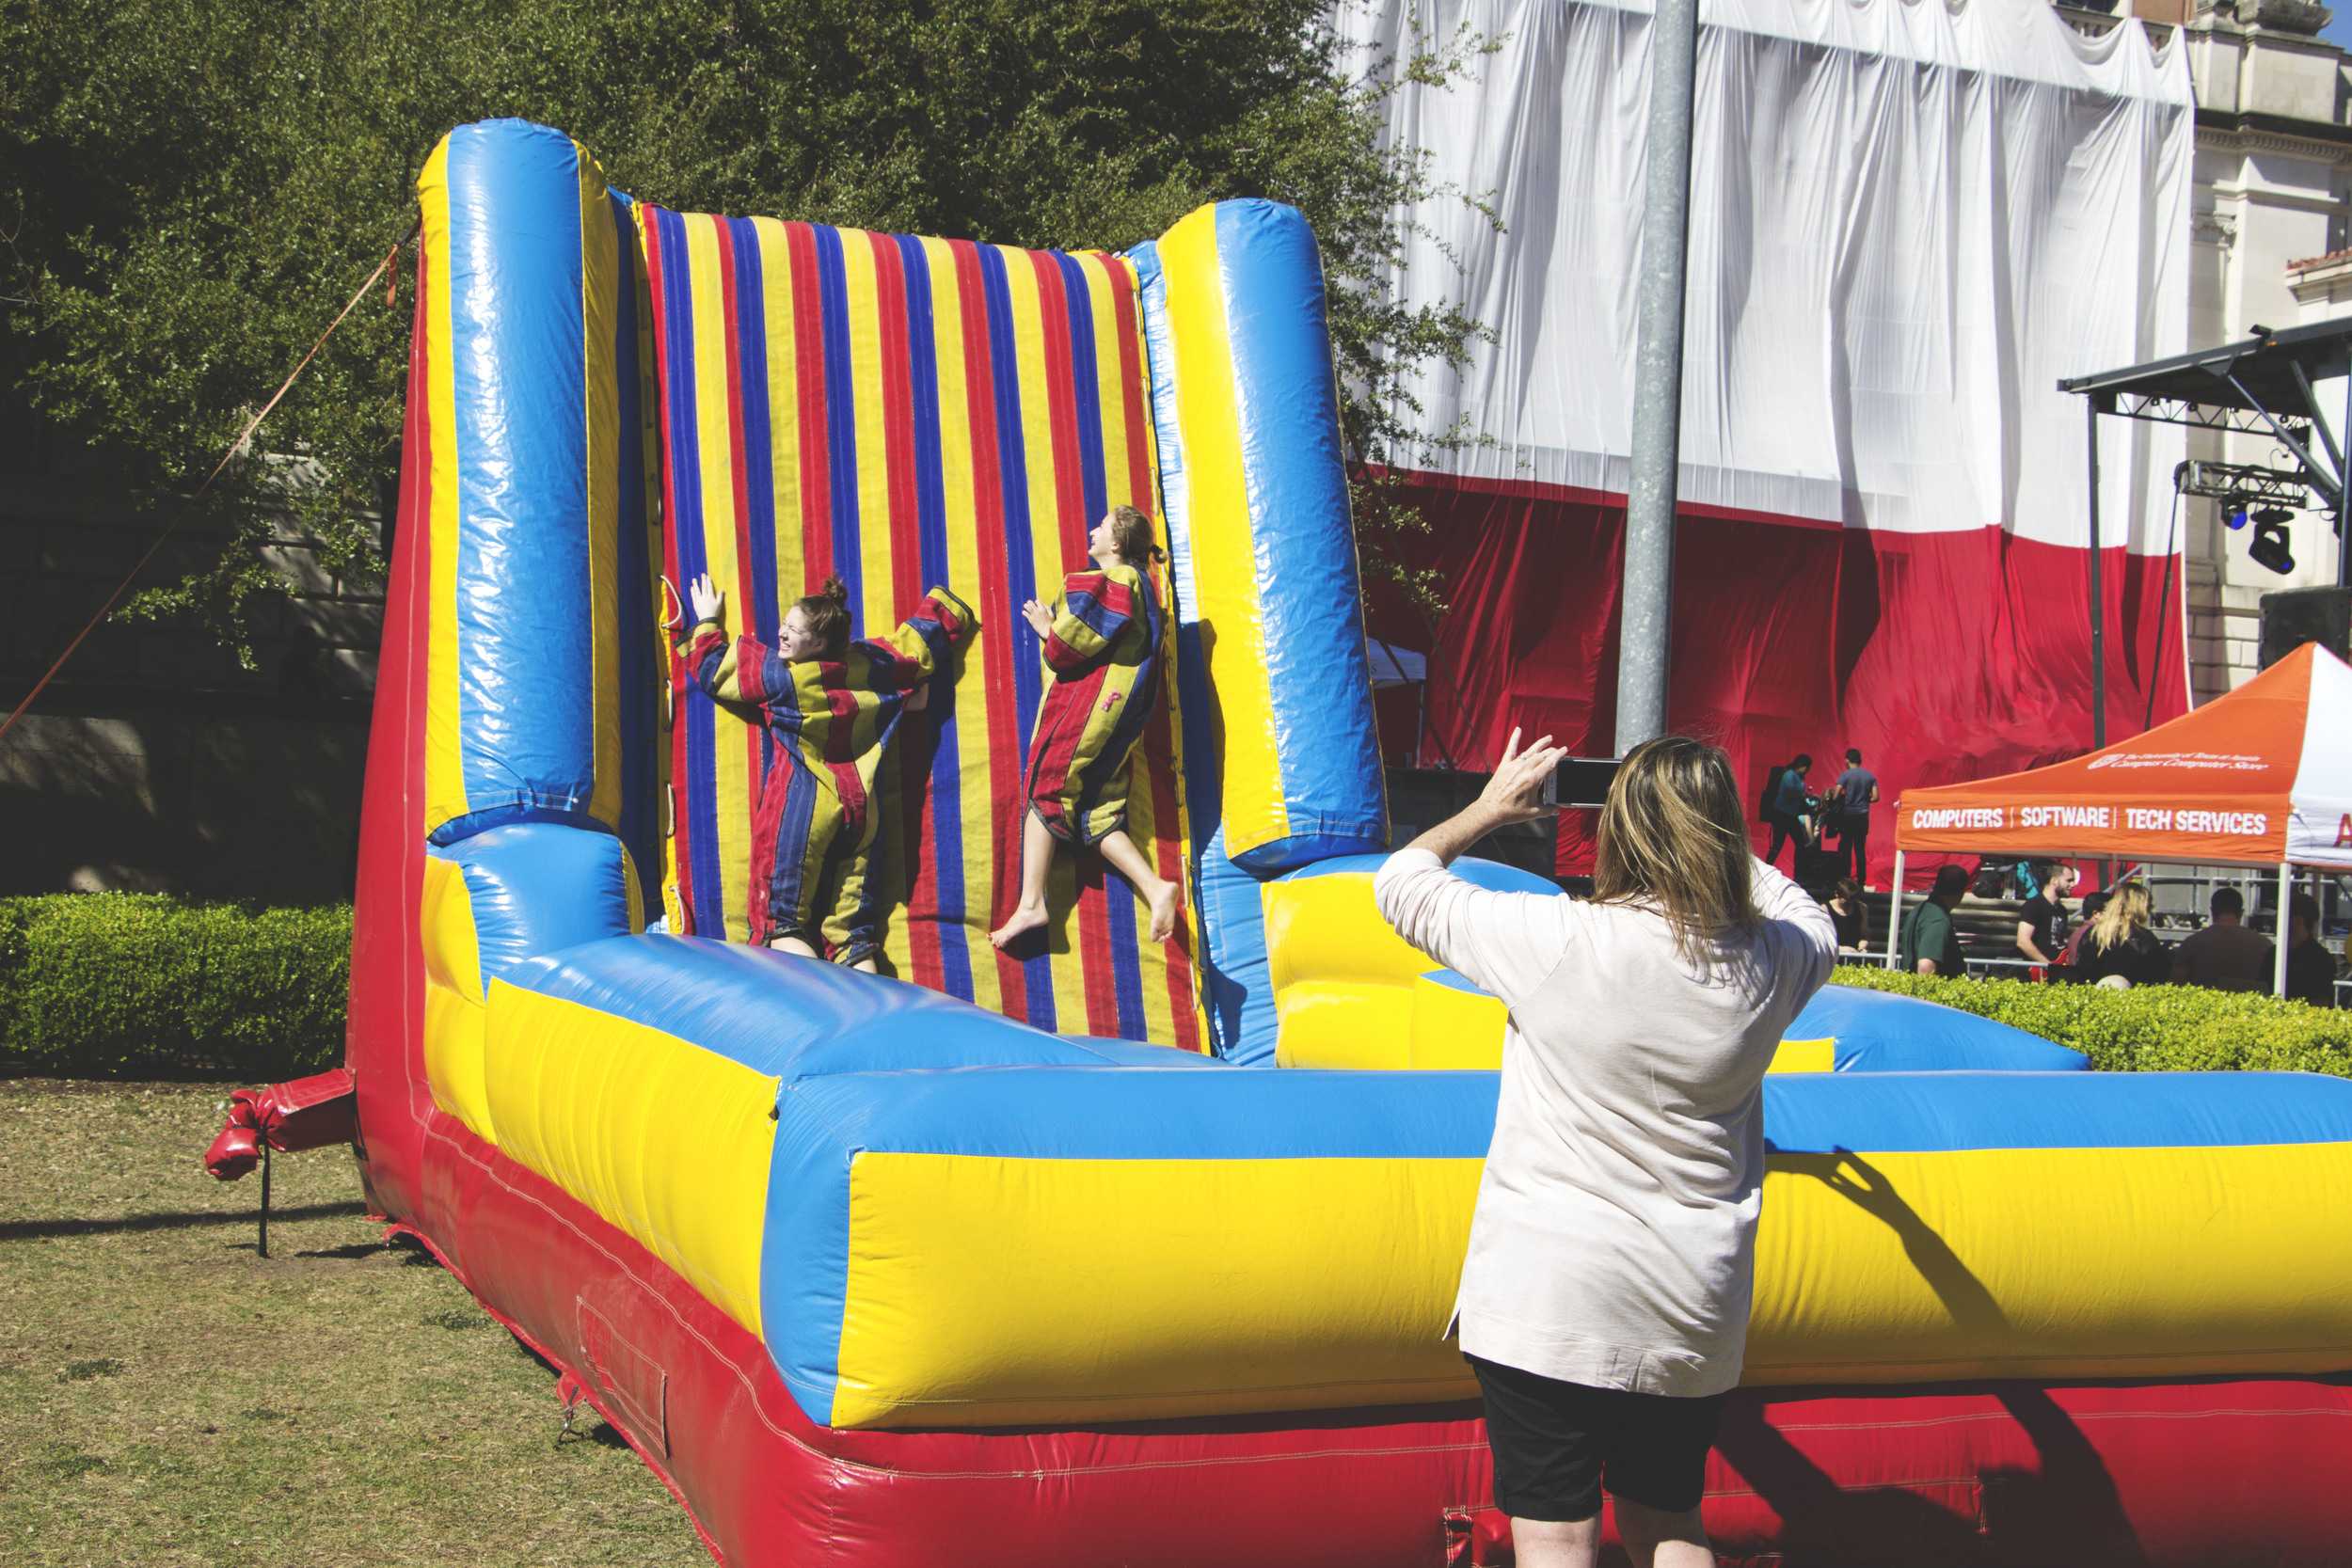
1026, 918
1162, 897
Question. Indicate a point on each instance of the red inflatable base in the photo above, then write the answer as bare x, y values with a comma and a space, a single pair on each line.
2192, 1474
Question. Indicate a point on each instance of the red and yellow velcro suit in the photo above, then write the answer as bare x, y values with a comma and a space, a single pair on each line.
831, 720
1104, 652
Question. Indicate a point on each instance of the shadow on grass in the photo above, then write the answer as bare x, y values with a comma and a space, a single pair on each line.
185, 1219
602, 1435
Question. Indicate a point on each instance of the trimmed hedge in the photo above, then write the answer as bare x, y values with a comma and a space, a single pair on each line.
117, 985
113, 985
2147, 1028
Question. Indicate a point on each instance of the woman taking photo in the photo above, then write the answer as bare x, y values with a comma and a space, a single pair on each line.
1604, 1297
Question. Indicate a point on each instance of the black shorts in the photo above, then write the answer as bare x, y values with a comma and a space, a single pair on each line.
1556, 1445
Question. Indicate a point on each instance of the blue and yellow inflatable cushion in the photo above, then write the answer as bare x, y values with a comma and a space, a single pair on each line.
1349, 993
936, 1216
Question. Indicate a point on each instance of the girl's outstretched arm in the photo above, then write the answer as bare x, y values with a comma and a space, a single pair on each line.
737, 668
920, 646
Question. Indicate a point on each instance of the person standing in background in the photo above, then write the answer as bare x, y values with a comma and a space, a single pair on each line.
2070, 957
1787, 807
2117, 947
2042, 922
1931, 943
1857, 792
1847, 912
2310, 968
2226, 956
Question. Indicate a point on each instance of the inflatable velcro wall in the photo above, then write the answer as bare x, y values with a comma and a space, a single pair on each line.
616, 394
975, 1268
908, 413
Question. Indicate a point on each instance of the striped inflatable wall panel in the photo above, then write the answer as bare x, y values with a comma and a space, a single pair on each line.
904, 412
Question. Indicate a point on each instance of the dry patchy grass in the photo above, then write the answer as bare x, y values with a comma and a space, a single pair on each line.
169, 1400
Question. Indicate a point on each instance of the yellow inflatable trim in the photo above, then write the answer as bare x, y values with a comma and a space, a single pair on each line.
1350, 993
666, 1141
1805, 1056
455, 1020
2053, 1263
985, 1291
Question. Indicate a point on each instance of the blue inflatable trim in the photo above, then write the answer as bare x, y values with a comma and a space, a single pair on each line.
1238, 991
1286, 395
536, 887
792, 1017
1882, 1032
518, 328
1896, 1113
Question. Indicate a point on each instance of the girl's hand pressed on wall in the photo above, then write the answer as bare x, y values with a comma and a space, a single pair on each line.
704, 600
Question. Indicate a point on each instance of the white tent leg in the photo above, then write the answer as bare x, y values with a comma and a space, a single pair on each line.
1895, 912
2278, 932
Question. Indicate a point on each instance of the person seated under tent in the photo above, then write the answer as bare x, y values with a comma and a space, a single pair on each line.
1101, 647
832, 706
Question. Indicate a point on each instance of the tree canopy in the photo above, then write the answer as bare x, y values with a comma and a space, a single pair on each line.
189, 190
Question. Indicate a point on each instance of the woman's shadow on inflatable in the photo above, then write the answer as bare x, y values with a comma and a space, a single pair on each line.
1823, 1522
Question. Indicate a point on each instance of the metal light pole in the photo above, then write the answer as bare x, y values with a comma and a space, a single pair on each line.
2098, 596
1647, 596
2344, 490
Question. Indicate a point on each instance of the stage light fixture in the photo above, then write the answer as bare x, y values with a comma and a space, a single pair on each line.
2269, 545
2234, 518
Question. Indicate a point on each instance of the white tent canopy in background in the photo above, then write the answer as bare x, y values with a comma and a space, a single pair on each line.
1394, 666
1909, 219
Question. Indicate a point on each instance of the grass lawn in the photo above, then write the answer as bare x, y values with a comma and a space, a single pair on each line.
168, 1399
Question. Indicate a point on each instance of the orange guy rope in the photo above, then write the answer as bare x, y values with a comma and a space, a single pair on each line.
250, 426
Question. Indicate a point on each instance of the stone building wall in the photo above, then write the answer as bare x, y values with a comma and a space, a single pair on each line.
2274, 159
154, 762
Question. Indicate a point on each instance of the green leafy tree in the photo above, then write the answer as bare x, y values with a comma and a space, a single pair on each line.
190, 190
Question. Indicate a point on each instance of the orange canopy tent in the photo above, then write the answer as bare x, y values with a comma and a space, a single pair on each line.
2259, 777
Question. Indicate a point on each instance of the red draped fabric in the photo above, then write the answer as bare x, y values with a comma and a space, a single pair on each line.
1943, 656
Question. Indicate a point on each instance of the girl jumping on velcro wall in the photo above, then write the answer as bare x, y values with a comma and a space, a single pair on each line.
832, 706
1102, 646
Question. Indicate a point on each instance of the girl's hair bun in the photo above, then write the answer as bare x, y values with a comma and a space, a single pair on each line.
827, 612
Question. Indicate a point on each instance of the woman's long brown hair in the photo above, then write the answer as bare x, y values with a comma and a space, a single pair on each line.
1672, 835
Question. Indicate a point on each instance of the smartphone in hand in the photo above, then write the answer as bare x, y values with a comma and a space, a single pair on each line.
1581, 782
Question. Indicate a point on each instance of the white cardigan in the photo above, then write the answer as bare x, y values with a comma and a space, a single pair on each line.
1614, 1243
